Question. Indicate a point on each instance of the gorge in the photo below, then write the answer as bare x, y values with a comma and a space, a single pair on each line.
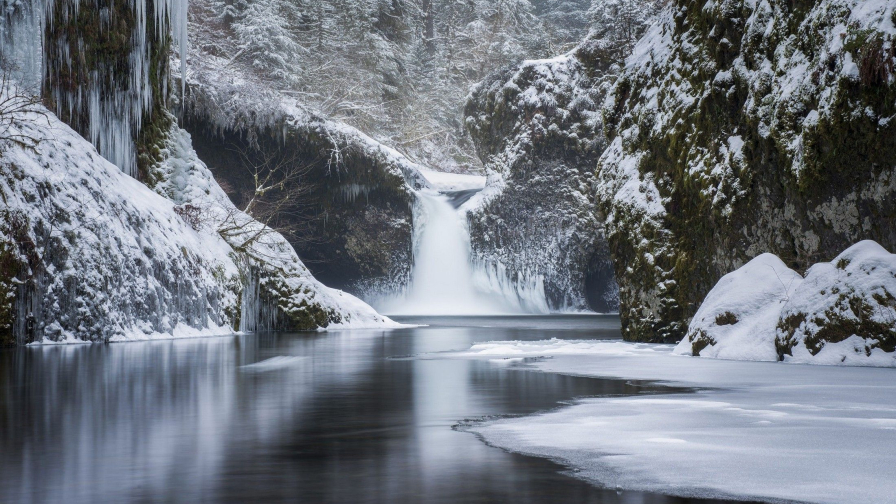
641, 250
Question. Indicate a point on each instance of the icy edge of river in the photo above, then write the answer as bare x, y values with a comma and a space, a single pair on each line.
758, 430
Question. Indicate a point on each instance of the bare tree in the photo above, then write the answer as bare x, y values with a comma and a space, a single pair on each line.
16, 105
275, 201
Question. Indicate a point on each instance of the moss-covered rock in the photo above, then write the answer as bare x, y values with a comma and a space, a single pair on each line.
740, 128
853, 296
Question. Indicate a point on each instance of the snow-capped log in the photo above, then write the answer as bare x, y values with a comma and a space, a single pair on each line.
842, 313
741, 127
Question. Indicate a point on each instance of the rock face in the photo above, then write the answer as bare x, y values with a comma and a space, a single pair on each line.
537, 129
359, 201
843, 312
745, 127
106, 72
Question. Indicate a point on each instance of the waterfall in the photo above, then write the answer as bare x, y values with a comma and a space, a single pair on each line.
442, 281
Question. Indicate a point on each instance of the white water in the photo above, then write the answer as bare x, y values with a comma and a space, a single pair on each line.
442, 279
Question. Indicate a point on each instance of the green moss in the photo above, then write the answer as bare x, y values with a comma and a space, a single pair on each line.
726, 318
700, 341
788, 327
839, 325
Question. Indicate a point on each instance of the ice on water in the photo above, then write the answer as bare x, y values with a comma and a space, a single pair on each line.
771, 431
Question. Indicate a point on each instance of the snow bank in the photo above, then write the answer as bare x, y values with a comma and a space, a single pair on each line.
752, 431
842, 313
444, 181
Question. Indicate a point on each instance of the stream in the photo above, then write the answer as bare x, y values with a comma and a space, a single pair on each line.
340, 417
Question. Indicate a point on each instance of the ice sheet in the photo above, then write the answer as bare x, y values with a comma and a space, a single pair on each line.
760, 430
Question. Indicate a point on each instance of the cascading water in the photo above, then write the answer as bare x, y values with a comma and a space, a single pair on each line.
442, 282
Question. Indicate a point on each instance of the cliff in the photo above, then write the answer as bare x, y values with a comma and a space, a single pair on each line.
742, 127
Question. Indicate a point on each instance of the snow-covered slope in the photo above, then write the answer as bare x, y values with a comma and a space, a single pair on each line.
95, 255
843, 312
740, 127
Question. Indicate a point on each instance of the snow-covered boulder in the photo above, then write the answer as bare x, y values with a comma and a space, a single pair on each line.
739, 317
844, 311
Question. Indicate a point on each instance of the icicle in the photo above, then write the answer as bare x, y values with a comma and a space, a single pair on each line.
21, 41
114, 113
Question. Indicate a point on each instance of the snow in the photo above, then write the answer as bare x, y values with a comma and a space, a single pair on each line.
112, 260
747, 314
752, 430
754, 295
445, 181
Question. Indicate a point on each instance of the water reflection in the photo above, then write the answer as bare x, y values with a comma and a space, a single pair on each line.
285, 417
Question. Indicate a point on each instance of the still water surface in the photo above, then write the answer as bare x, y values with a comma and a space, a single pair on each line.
342, 417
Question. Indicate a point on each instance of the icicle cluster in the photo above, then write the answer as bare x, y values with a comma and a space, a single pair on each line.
21, 48
111, 107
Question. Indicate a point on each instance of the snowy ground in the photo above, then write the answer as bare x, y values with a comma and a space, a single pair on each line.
759, 430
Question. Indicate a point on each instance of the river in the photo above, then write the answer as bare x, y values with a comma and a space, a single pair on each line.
340, 417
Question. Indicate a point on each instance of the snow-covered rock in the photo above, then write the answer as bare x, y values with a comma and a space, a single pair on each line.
739, 317
534, 232
91, 254
842, 313
360, 211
